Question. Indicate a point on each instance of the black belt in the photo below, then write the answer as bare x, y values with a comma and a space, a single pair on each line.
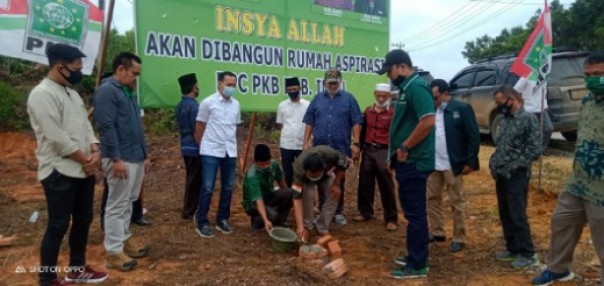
376, 146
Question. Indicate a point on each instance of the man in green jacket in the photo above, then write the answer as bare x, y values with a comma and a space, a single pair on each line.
456, 153
411, 149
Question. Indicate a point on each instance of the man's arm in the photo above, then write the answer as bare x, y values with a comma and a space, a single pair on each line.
534, 144
307, 133
472, 137
282, 184
262, 211
105, 116
421, 131
200, 128
299, 221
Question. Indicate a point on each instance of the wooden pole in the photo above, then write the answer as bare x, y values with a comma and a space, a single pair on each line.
104, 43
541, 115
248, 142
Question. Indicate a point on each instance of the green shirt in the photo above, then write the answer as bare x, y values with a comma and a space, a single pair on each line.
258, 184
414, 102
331, 158
518, 144
587, 179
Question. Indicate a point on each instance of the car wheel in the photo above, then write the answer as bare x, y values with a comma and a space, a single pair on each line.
570, 136
494, 128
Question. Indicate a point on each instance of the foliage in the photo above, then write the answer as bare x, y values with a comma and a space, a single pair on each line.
13, 108
160, 121
581, 26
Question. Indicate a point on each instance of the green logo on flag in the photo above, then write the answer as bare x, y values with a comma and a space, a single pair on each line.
537, 59
61, 20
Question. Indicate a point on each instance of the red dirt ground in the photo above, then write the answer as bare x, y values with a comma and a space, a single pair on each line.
179, 257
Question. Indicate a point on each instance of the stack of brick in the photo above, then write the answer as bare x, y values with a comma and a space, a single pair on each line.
317, 253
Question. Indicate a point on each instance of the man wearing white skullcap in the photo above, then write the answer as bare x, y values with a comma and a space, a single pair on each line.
374, 141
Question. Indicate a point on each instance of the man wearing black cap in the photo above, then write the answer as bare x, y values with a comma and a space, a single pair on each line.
186, 114
411, 150
332, 118
265, 205
68, 159
289, 120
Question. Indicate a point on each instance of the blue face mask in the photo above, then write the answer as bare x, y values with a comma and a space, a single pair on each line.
228, 91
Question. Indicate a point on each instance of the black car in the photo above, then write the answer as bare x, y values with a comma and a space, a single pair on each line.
475, 84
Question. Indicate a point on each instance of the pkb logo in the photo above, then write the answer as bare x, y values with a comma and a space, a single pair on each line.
51, 21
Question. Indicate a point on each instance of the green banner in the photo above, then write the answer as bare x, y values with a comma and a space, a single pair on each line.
263, 42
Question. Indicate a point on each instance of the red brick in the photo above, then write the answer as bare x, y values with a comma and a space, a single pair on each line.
306, 253
334, 248
333, 265
322, 241
338, 273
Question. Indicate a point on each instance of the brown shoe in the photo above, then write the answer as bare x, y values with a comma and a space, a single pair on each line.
135, 249
391, 226
120, 262
361, 218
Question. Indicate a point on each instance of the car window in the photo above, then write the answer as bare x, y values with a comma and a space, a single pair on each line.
509, 78
485, 78
567, 67
464, 81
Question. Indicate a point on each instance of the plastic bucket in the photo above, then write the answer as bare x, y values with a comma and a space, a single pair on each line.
283, 239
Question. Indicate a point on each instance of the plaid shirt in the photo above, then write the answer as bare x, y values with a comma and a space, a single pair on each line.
517, 146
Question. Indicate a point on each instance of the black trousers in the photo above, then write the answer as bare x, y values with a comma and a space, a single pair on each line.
511, 199
287, 160
373, 168
192, 185
277, 207
68, 200
137, 206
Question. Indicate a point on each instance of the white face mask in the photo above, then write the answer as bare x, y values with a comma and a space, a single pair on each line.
386, 103
315, 179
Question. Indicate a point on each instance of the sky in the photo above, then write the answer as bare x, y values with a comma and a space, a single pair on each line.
433, 31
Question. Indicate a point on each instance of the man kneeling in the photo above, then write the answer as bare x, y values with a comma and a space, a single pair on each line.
321, 169
265, 205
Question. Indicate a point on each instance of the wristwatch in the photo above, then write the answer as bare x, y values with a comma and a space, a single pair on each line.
403, 148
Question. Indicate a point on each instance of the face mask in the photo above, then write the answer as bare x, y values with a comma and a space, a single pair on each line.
74, 77
315, 179
386, 103
399, 80
196, 93
595, 84
504, 108
293, 95
228, 91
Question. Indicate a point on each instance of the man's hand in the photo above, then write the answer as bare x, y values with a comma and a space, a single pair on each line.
467, 169
305, 146
335, 190
93, 164
401, 156
356, 154
119, 169
148, 165
268, 225
301, 233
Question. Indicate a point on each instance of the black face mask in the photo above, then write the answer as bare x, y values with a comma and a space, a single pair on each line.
196, 93
399, 80
74, 77
504, 108
293, 95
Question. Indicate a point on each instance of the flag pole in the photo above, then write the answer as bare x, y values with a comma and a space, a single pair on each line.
104, 43
248, 142
543, 93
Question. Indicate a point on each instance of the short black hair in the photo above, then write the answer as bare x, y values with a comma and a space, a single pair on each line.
262, 153
508, 91
441, 84
62, 53
594, 58
313, 162
224, 74
125, 59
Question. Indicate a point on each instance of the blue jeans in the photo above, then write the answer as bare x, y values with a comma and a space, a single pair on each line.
210, 166
412, 194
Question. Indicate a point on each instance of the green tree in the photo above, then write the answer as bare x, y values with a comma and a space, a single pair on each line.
581, 26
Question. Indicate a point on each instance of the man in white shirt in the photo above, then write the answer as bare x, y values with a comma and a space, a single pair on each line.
216, 133
289, 120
